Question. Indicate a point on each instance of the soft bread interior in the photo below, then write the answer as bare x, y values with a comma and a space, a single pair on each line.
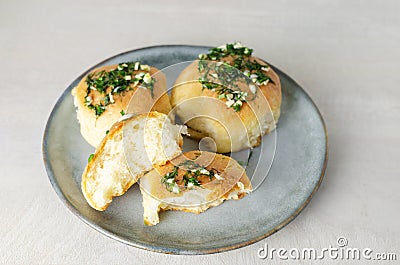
153, 206
101, 181
149, 142
131, 148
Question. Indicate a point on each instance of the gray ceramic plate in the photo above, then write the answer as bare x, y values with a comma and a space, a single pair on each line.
295, 175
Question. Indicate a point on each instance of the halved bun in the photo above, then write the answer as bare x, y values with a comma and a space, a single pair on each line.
230, 183
131, 148
135, 100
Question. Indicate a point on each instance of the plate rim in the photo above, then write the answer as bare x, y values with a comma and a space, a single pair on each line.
172, 250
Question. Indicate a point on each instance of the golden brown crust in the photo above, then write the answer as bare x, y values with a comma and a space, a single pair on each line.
115, 132
116, 129
155, 194
137, 100
228, 166
227, 138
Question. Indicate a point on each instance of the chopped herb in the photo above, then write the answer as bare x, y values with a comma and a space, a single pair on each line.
212, 174
246, 163
122, 112
90, 158
107, 132
224, 75
116, 81
190, 181
242, 163
169, 179
250, 155
190, 178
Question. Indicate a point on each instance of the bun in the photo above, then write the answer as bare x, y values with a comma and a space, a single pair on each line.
131, 148
229, 181
134, 99
200, 106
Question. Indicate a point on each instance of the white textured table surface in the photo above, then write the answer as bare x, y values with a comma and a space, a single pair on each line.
344, 53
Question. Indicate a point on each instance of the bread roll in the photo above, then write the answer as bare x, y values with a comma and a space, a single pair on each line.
192, 182
100, 103
219, 111
131, 148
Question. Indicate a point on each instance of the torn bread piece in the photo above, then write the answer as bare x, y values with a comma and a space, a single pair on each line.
192, 182
131, 148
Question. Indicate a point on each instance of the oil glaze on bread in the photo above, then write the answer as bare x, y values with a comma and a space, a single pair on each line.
192, 182
109, 91
237, 118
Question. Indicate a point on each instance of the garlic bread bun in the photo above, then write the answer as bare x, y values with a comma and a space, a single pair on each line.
192, 182
106, 92
131, 148
235, 117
